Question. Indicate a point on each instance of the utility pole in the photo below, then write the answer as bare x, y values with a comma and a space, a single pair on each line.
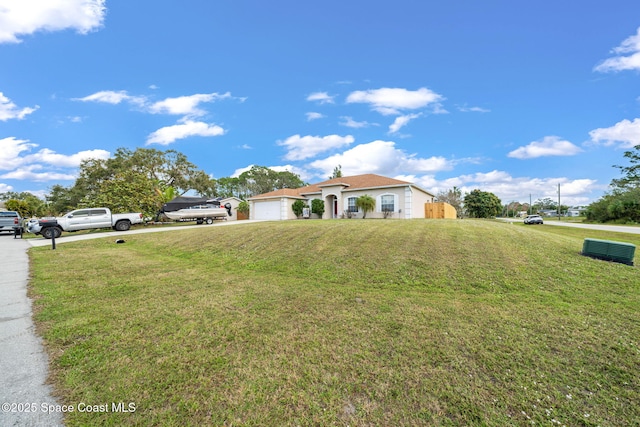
559, 208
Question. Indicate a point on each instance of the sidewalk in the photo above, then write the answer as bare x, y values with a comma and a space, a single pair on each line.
23, 362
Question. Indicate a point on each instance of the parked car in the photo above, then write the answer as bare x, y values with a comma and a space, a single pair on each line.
84, 219
10, 220
533, 219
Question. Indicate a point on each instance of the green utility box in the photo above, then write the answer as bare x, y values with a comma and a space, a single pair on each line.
609, 251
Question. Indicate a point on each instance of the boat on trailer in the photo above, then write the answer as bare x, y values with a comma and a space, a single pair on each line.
196, 209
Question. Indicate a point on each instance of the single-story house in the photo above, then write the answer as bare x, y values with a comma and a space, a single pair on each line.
394, 198
576, 211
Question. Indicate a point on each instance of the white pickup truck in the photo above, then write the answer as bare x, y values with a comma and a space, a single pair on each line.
84, 219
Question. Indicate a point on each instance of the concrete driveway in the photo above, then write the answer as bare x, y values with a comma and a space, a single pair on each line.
23, 362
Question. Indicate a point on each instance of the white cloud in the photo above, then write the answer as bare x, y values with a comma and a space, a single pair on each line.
350, 123
112, 97
186, 105
28, 172
620, 62
305, 147
402, 121
314, 116
170, 134
626, 133
466, 109
5, 187
321, 97
61, 160
10, 149
32, 166
549, 146
380, 157
22, 17
390, 101
509, 188
9, 110
236, 173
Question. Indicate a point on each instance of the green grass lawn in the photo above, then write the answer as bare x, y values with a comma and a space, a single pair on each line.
345, 322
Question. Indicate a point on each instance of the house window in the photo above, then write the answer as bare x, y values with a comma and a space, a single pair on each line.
387, 203
351, 204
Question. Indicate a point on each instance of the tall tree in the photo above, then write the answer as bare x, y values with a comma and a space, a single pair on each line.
482, 204
631, 172
622, 204
27, 204
150, 173
127, 191
453, 196
260, 179
62, 199
229, 187
337, 172
546, 203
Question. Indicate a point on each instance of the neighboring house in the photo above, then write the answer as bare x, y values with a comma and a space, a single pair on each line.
548, 212
401, 198
234, 201
576, 210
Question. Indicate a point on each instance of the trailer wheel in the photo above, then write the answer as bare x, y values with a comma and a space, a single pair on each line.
51, 232
199, 221
209, 220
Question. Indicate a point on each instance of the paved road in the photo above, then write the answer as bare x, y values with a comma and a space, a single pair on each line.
617, 228
603, 227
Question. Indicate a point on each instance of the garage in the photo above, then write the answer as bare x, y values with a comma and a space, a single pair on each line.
267, 210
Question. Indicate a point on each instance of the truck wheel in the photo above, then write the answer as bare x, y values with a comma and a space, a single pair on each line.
123, 225
51, 232
199, 221
209, 220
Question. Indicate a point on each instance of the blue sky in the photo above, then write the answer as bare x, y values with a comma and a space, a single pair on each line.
509, 97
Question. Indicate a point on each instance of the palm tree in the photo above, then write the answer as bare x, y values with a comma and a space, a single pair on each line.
366, 203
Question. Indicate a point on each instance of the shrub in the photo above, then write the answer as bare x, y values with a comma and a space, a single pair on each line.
317, 207
298, 206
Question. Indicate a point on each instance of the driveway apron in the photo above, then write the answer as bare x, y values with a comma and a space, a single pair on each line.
24, 395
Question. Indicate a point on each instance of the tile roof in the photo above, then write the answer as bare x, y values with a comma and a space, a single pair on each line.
350, 182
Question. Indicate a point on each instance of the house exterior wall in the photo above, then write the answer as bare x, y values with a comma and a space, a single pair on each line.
408, 202
285, 207
418, 199
234, 201
406, 199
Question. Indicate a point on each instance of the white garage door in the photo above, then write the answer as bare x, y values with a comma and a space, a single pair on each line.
267, 210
